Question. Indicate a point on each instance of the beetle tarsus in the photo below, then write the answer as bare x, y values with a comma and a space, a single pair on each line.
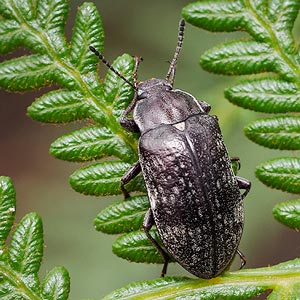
165, 267
242, 257
125, 192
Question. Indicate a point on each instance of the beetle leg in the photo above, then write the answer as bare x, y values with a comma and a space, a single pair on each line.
242, 257
147, 224
129, 175
236, 159
128, 123
244, 184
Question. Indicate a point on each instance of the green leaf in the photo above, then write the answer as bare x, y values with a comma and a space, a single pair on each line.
10, 35
26, 8
227, 16
290, 291
268, 95
276, 133
281, 173
26, 73
116, 90
51, 16
288, 213
56, 285
6, 10
123, 216
210, 15
7, 212
283, 13
135, 246
74, 67
239, 58
181, 288
89, 143
103, 179
88, 31
58, 107
20, 263
26, 248
250, 283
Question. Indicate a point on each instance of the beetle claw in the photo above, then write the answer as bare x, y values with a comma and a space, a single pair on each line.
165, 267
243, 259
125, 192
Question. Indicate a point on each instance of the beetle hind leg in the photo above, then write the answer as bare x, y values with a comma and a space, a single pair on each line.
242, 257
147, 225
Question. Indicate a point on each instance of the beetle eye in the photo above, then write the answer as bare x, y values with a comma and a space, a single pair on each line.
141, 94
168, 87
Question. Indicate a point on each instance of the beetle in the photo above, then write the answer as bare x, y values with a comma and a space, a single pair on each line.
195, 198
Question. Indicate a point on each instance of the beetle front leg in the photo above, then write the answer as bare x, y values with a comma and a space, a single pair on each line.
147, 225
244, 184
128, 123
129, 175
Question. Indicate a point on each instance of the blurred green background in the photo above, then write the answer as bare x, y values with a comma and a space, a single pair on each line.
147, 29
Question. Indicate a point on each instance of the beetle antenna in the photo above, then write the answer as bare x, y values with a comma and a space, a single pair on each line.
137, 61
102, 58
171, 73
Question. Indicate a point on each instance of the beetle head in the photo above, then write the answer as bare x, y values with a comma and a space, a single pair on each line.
151, 87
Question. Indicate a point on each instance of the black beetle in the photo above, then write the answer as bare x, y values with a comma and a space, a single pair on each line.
195, 199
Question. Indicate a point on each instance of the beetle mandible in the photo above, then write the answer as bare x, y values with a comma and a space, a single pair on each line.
195, 199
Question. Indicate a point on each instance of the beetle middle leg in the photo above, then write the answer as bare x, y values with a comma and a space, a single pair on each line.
147, 225
244, 184
128, 176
